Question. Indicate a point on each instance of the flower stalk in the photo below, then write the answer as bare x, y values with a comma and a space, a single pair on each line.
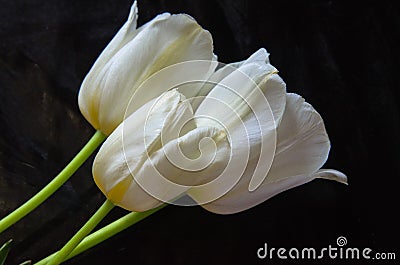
55, 184
82, 233
105, 233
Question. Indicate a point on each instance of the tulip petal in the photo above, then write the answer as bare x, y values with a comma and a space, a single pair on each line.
303, 144
259, 58
274, 89
253, 93
242, 202
242, 88
302, 148
127, 32
331, 174
89, 98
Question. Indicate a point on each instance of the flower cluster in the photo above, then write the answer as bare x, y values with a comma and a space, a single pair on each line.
230, 137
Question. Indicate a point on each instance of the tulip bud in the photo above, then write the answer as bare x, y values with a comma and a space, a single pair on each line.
132, 57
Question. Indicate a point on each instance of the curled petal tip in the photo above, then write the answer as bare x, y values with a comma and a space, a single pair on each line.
134, 12
332, 174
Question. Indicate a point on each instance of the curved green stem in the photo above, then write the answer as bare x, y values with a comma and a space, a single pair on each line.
55, 184
105, 233
82, 233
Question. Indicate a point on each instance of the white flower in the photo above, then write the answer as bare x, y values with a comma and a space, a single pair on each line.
302, 144
133, 56
244, 141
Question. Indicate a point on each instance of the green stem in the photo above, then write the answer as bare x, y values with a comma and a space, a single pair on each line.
55, 184
105, 233
82, 233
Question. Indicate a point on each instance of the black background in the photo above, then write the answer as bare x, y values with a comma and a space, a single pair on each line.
343, 58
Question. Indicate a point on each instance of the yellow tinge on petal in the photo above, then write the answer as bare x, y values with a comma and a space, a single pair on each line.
117, 193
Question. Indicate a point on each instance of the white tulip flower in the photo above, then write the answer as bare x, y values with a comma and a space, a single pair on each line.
302, 144
133, 56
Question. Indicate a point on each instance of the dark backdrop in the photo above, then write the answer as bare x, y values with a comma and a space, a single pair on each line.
343, 58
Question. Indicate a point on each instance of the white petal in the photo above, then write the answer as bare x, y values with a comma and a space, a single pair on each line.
303, 144
274, 89
256, 68
261, 56
302, 148
188, 77
88, 96
200, 92
331, 174
242, 88
127, 32
252, 93
241, 202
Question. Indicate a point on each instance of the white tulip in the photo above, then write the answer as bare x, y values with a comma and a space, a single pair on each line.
302, 144
132, 57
